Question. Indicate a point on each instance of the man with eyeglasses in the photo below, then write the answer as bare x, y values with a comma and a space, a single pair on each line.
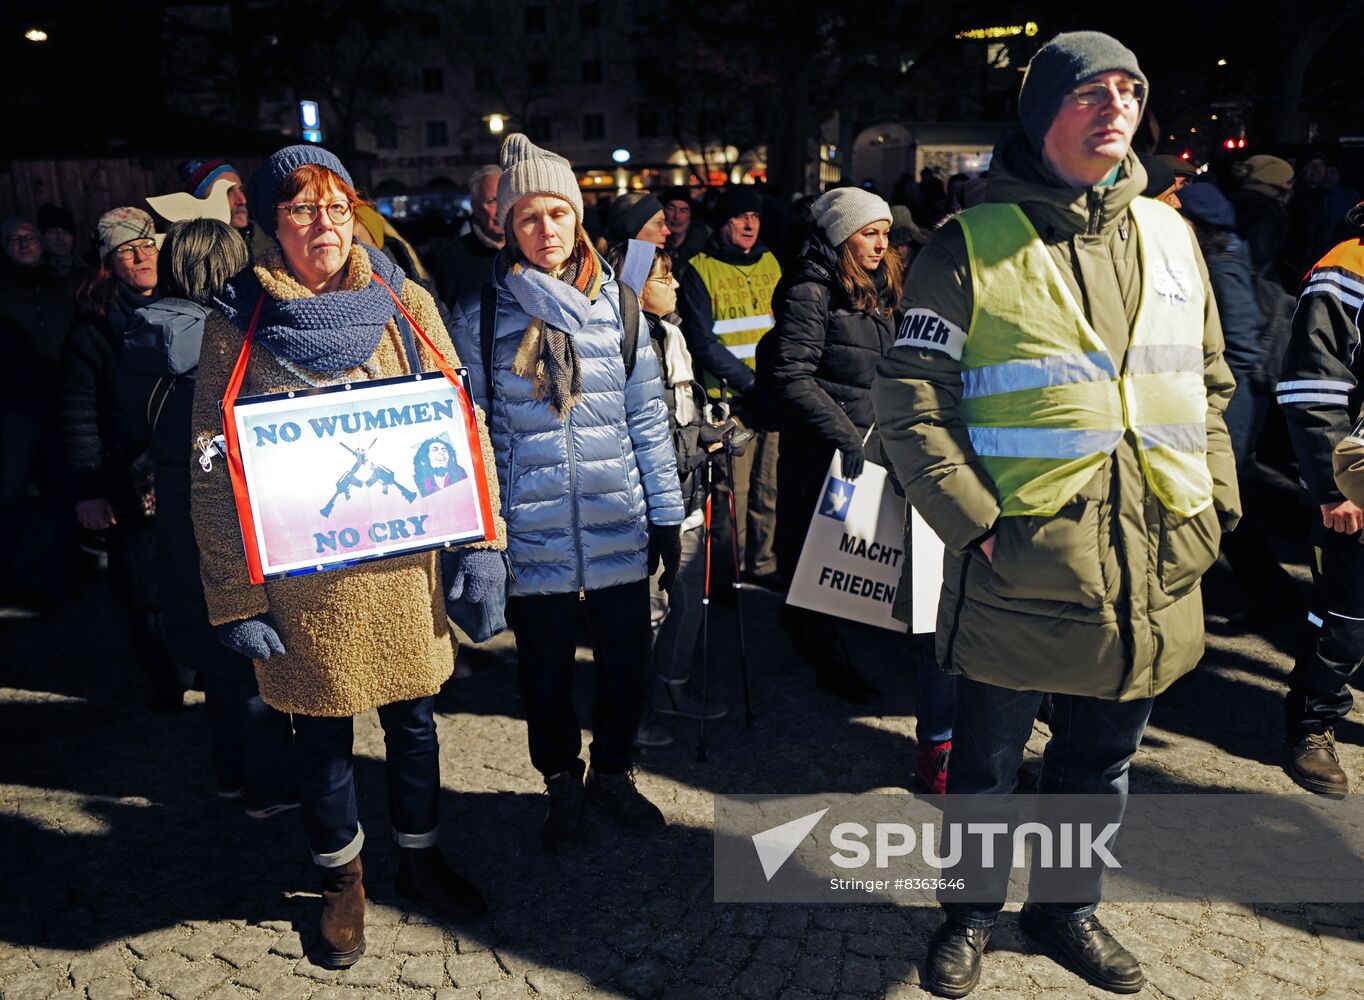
36, 310
466, 264
1053, 406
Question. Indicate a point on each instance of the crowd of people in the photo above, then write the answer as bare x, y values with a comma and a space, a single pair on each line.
1067, 365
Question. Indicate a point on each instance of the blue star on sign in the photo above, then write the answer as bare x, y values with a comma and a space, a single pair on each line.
837, 499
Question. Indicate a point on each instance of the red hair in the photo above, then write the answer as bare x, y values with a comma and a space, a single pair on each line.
95, 295
312, 180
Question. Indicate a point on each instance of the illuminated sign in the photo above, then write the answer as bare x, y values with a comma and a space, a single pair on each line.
997, 31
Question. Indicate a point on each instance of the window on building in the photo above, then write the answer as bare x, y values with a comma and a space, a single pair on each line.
537, 73
647, 125
591, 71
386, 134
485, 77
534, 16
594, 126
542, 127
437, 134
433, 80
589, 15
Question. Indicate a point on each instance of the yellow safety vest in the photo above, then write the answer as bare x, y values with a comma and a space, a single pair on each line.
740, 304
1042, 398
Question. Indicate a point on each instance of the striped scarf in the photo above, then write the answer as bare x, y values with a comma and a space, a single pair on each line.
559, 306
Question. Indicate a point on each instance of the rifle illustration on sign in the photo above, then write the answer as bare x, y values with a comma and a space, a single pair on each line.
380, 474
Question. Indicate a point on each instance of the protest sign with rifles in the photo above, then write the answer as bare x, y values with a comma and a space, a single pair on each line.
331, 476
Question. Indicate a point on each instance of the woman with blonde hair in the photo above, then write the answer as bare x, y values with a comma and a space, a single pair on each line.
592, 498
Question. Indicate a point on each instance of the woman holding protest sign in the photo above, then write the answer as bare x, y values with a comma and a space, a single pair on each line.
592, 498
835, 318
322, 309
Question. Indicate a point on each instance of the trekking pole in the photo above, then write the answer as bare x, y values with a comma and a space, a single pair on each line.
738, 576
705, 614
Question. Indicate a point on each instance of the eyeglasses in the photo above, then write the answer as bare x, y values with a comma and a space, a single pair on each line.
1129, 92
305, 213
23, 239
147, 248
666, 279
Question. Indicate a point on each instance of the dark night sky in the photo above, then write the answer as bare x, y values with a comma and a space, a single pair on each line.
102, 58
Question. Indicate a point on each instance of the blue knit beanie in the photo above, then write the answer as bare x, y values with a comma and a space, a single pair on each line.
1204, 202
1060, 66
263, 188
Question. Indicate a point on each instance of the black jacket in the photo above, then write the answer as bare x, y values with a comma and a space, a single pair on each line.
462, 268
101, 444
825, 353
36, 307
821, 357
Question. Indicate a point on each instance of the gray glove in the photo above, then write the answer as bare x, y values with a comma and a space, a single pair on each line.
474, 574
255, 638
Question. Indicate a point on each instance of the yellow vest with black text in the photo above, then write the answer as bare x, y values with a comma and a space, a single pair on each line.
1042, 398
740, 303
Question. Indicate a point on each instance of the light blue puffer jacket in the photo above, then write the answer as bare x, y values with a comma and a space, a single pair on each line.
578, 495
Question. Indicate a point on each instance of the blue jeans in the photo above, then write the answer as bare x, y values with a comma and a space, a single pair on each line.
1092, 742
252, 742
326, 779
675, 614
935, 698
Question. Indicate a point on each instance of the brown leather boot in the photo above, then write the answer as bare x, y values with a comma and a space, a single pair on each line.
1312, 763
341, 930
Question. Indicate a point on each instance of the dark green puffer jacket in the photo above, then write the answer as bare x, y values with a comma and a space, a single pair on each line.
1102, 599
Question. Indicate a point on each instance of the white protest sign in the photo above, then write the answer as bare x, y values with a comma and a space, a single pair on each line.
362, 471
925, 573
852, 560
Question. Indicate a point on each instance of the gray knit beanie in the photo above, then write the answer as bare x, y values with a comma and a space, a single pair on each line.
843, 211
1060, 66
264, 185
527, 169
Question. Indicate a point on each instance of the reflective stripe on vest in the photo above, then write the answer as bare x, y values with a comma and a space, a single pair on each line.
1042, 398
740, 303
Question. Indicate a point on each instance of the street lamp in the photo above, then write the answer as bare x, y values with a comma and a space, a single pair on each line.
496, 123
36, 35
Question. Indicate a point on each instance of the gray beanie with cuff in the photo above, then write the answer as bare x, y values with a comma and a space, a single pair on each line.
527, 170
844, 211
1060, 66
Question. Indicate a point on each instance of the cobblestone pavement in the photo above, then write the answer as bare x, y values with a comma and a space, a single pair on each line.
121, 876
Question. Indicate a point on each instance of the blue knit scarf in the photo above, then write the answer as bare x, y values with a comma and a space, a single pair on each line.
323, 333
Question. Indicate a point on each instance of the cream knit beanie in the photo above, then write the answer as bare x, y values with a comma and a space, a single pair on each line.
527, 169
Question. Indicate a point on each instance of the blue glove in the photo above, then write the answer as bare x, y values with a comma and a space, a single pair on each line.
255, 638
474, 574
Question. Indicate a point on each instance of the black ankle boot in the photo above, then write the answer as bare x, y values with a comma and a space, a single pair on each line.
952, 968
424, 876
617, 794
563, 824
1088, 948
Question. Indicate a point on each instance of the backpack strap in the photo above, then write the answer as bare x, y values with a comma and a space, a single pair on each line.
487, 330
629, 319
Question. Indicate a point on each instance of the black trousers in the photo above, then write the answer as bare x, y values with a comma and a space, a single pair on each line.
618, 626
1318, 692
